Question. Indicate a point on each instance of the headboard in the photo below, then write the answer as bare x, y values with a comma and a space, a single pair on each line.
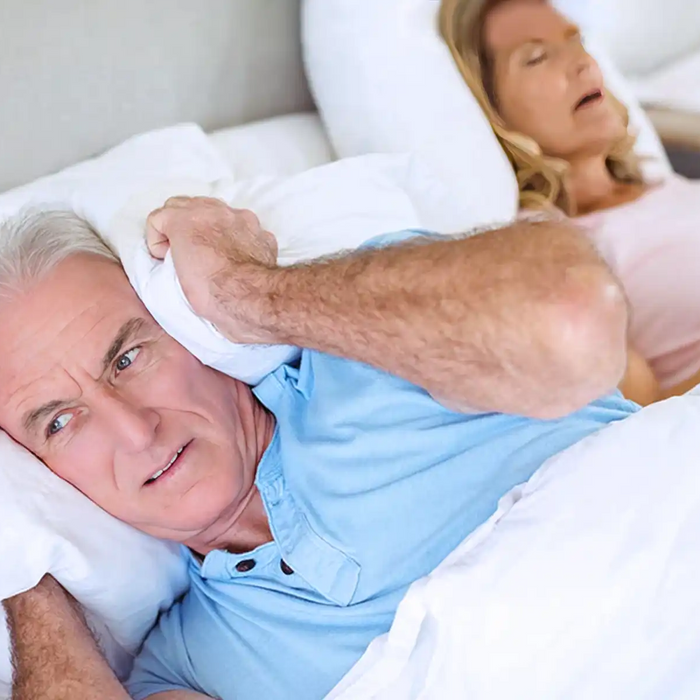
78, 76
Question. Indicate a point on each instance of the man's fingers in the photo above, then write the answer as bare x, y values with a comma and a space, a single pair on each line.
156, 239
201, 217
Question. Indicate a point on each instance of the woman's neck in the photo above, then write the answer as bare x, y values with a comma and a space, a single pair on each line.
590, 184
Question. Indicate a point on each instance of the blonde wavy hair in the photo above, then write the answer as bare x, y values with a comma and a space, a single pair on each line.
541, 178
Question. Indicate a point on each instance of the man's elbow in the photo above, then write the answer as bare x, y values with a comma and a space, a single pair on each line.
588, 327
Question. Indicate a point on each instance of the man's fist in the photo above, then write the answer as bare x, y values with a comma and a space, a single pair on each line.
213, 248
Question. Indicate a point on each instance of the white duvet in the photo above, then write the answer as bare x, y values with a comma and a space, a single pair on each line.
585, 585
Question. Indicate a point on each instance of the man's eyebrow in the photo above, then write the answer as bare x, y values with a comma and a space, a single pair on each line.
130, 329
34, 417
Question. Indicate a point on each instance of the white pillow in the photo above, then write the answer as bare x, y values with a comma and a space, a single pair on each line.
321, 211
48, 526
129, 167
385, 82
277, 147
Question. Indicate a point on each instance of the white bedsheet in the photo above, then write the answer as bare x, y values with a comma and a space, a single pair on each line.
584, 585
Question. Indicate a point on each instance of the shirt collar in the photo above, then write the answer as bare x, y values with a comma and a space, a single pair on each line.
327, 569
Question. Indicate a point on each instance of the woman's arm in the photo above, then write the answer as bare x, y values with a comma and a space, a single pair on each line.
640, 384
53, 653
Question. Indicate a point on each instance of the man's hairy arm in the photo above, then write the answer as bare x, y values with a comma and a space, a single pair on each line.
53, 653
526, 319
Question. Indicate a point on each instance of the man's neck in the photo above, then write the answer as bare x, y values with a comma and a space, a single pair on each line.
246, 526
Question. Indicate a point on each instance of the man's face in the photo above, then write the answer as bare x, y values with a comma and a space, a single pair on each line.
94, 387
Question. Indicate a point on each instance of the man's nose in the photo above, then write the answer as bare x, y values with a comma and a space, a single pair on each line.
132, 425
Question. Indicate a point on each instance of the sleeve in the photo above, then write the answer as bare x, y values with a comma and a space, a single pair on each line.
163, 663
387, 239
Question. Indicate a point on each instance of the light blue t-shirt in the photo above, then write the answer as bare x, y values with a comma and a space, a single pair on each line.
368, 485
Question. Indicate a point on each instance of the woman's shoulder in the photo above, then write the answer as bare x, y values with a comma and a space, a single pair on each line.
675, 192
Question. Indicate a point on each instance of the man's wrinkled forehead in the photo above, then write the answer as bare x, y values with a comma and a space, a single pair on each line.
65, 325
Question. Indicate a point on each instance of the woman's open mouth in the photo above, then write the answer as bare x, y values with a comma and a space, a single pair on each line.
589, 100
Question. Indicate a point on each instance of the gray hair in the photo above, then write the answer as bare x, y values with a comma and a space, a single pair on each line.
35, 241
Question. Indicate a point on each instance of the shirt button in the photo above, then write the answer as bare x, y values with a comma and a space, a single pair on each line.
245, 565
286, 569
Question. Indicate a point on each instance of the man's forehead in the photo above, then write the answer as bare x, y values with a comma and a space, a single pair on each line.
65, 322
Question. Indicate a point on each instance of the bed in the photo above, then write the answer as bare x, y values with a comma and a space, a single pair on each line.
80, 80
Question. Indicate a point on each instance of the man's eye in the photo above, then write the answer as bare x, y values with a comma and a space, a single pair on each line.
59, 423
126, 359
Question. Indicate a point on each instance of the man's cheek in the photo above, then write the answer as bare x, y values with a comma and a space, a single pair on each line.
86, 476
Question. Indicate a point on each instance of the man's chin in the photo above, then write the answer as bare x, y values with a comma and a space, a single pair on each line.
192, 530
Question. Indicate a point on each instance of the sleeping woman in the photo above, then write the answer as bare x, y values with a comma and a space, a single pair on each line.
570, 145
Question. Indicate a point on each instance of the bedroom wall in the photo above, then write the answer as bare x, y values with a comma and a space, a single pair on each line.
78, 76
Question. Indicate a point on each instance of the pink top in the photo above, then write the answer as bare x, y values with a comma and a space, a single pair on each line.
653, 245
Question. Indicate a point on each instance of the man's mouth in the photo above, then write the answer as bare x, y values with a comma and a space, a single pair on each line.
157, 475
589, 99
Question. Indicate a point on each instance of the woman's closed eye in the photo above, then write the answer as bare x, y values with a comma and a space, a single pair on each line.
537, 56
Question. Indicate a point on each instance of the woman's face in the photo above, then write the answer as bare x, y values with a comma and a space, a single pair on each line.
545, 84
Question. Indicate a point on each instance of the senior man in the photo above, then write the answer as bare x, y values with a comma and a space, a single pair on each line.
308, 504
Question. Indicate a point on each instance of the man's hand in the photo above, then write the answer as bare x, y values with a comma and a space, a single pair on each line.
213, 248
53, 653
526, 319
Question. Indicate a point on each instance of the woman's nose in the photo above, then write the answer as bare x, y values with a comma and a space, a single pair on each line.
581, 61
